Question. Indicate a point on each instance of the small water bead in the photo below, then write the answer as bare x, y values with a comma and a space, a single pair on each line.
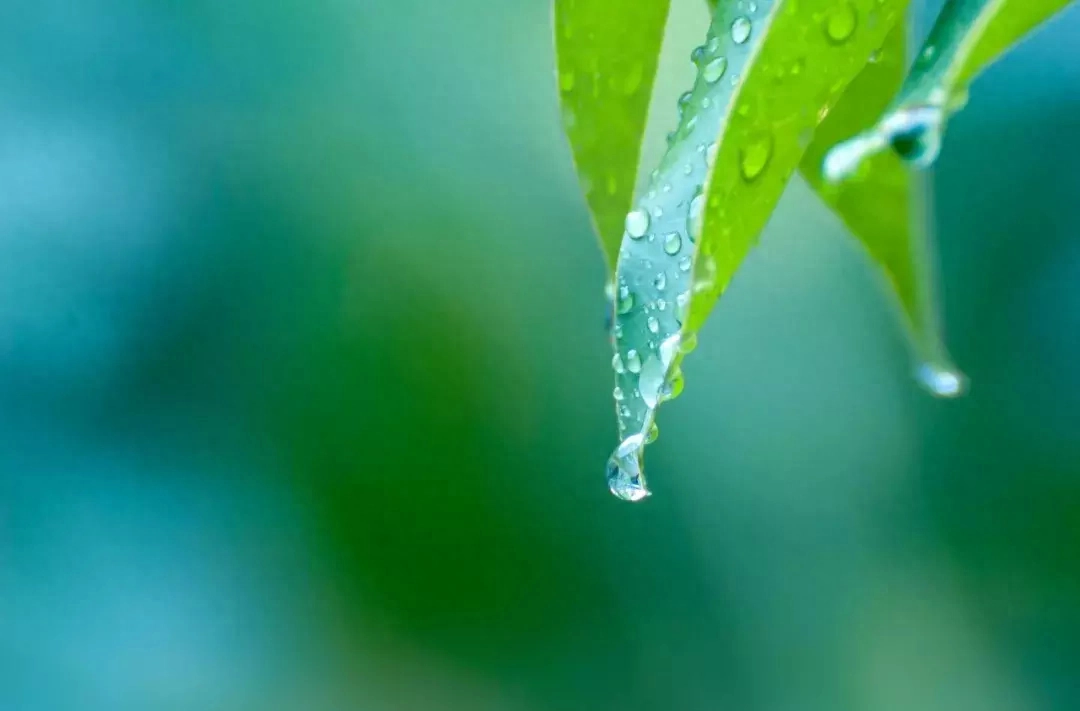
617, 393
675, 386
688, 169
672, 243
653, 324
624, 476
840, 24
666, 188
637, 223
685, 263
660, 282
740, 30
657, 211
661, 305
653, 434
625, 302
633, 361
617, 331
683, 300
706, 102
754, 157
697, 54
617, 364
714, 70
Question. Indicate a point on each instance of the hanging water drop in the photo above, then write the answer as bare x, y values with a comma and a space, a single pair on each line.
754, 157
633, 361
740, 30
617, 364
841, 22
637, 223
625, 478
714, 70
941, 381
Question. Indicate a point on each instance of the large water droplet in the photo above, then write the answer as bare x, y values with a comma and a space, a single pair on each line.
714, 70
637, 223
840, 24
740, 30
941, 381
625, 478
754, 157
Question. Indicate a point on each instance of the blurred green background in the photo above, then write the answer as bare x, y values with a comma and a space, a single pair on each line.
305, 392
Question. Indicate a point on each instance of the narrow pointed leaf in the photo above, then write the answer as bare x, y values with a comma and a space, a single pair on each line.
967, 36
877, 204
607, 53
765, 80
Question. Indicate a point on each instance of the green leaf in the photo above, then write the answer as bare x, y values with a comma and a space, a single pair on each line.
607, 52
877, 206
765, 79
967, 36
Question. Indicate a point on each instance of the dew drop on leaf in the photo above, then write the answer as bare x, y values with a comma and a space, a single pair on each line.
637, 223
617, 364
685, 263
714, 70
626, 301
754, 157
740, 30
672, 243
654, 325
840, 24
633, 361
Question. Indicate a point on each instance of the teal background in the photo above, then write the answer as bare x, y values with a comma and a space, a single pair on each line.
305, 392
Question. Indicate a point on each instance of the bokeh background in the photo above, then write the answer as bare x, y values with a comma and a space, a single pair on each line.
305, 392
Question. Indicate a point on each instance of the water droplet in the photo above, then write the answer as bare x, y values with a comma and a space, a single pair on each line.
653, 434
693, 216
626, 301
566, 81
637, 223
676, 384
661, 305
840, 24
697, 54
617, 331
660, 282
633, 361
752, 8
684, 99
651, 381
666, 188
672, 243
669, 349
617, 364
714, 70
625, 478
654, 325
754, 157
685, 263
740, 30
617, 393
941, 381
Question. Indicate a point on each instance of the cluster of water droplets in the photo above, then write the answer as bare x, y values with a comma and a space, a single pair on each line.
658, 271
